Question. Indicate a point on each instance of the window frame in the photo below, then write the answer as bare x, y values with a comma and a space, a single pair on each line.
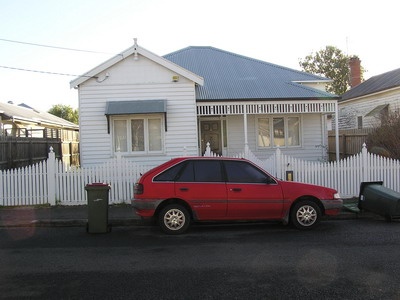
270, 119
128, 121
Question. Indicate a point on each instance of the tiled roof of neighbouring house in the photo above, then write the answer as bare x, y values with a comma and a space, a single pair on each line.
229, 76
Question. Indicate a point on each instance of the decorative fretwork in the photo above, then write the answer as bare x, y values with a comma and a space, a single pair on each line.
283, 107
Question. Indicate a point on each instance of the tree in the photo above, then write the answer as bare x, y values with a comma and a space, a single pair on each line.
385, 139
332, 63
65, 112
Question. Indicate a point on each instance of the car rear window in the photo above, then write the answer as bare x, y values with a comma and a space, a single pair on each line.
169, 174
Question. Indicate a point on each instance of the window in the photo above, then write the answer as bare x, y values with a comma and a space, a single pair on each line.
243, 172
170, 174
202, 171
278, 131
138, 134
120, 136
359, 122
264, 135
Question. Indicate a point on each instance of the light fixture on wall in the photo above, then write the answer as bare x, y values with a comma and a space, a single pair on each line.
175, 78
101, 79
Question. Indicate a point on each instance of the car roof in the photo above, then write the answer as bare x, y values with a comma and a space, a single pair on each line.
177, 160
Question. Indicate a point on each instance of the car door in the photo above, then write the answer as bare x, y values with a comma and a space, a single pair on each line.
252, 193
202, 185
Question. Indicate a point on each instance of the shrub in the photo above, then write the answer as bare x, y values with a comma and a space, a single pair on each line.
385, 139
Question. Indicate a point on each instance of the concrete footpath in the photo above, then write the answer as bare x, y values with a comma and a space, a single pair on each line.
57, 216
118, 215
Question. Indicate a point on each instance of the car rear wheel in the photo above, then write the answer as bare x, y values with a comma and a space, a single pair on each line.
305, 214
174, 219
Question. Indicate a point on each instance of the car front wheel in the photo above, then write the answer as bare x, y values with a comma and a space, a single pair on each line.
174, 219
305, 214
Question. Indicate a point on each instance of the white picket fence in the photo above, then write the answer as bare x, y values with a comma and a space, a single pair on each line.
345, 175
49, 182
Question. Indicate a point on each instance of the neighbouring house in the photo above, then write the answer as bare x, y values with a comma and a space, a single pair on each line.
24, 121
150, 108
26, 135
367, 103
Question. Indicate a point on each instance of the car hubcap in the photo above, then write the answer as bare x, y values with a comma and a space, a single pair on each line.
306, 215
174, 219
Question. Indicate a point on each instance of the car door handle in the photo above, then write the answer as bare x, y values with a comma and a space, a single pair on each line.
236, 190
184, 189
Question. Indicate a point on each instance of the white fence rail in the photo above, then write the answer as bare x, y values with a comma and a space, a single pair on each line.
51, 183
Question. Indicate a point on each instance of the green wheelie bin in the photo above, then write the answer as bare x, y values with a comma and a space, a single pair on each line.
97, 194
376, 198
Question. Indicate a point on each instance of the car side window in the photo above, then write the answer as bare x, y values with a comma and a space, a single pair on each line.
169, 174
243, 172
202, 171
187, 174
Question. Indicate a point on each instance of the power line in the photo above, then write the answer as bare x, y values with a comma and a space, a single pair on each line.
54, 47
43, 72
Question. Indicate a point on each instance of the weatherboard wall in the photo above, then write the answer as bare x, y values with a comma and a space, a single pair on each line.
350, 110
137, 80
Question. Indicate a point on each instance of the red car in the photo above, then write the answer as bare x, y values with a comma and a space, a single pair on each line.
209, 189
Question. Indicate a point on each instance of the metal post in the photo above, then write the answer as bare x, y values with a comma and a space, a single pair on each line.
337, 131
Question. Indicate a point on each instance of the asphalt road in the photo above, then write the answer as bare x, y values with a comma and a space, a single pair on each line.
341, 259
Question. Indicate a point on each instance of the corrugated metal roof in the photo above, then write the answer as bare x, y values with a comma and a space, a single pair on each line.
229, 76
375, 84
136, 107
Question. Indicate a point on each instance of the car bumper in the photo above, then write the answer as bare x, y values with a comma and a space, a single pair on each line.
332, 207
145, 208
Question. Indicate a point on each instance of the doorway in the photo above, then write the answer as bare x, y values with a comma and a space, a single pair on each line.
211, 133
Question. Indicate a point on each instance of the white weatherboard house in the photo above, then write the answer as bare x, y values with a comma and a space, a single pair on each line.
368, 103
150, 108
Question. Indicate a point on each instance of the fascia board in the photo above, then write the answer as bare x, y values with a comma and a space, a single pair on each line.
160, 60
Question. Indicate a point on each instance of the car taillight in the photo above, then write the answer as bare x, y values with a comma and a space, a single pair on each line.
138, 189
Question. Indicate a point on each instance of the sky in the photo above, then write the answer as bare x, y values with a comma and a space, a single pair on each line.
280, 32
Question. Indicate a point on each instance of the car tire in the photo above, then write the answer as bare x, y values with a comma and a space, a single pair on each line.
305, 214
174, 219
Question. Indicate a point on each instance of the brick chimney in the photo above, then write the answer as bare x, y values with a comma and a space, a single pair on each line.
355, 71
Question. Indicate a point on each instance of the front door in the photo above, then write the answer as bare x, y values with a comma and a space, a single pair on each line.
211, 133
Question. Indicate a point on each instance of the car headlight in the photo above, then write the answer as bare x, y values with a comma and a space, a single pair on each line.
336, 196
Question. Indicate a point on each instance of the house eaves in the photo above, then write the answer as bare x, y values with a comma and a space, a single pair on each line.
368, 95
137, 50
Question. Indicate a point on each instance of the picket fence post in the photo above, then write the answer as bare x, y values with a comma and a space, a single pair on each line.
278, 162
365, 165
208, 150
51, 177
